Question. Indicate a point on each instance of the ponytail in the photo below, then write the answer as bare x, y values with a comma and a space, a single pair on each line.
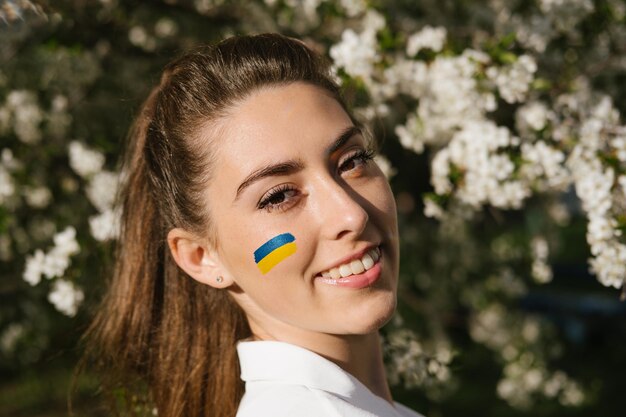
156, 325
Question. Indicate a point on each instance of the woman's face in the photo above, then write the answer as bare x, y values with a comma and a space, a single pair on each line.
284, 165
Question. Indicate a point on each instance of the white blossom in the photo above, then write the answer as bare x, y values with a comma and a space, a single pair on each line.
406, 76
408, 134
34, 267
13, 10
8, 160
487, 326
26, 115
619, 144
84, 161
65, 241
524, 374
10, 337
102, 190
450, 99
510, 194
544, 161
356, 53
440, 171
137, 36
541, 271
105, 226
600, 229
7, 185
65, 297
487, 172
369, 113
37, 197
591, 136
566, 14
165, 27
413, 362
513, 81
593, 183
622, 181
531, 330
531, 116
59, 103
533, 32
604, 110
609, 265
539, 247
432, 209
353, 7
58, 119
559, 212
56, 261
304, 14
373, 21
427, 38
572, 395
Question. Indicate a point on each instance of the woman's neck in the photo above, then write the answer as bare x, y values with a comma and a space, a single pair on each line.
359, 355
362, 357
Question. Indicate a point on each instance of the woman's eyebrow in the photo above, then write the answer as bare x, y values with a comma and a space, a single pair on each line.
293, 166
343, 137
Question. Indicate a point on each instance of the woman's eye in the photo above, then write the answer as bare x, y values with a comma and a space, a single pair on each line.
356, 160
277, 198
283, 196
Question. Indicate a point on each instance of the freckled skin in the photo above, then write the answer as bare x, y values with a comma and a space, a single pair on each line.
335, 208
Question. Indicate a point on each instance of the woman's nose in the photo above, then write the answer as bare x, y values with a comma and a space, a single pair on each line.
343, 211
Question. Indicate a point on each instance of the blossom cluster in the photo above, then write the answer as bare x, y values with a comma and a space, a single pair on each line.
599, 184
65, 296
7, 184
525, 374
15, 10
415, 364
101, 189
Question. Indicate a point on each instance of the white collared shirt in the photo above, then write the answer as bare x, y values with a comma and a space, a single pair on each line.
285, 380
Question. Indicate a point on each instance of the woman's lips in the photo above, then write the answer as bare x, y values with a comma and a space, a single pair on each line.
361, 280
354, 264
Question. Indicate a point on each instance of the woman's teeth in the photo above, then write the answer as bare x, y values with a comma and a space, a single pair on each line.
354, 267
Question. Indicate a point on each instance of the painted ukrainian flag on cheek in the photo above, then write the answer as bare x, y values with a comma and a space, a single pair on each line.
274, 251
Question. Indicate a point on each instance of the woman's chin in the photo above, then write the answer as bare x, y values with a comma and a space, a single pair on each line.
371, 317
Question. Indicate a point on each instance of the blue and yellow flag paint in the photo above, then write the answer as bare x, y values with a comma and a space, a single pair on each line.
274, 251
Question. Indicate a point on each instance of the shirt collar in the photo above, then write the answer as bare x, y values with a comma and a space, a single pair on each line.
281, 362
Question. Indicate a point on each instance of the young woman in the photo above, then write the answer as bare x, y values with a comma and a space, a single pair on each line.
259, 250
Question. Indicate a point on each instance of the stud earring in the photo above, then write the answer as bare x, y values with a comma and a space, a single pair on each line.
219, 279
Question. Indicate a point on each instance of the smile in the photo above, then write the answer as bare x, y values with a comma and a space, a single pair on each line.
354, 267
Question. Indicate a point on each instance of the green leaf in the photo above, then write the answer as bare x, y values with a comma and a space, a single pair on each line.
506, 57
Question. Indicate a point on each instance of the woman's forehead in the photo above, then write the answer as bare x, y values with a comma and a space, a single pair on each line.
281, 119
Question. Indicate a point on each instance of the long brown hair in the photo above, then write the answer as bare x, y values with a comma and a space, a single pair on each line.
157, 327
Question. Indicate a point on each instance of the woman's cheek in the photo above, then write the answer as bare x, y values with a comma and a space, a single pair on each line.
381, 196
274, 251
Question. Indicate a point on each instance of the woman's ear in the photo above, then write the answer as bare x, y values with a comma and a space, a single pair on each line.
197, 259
